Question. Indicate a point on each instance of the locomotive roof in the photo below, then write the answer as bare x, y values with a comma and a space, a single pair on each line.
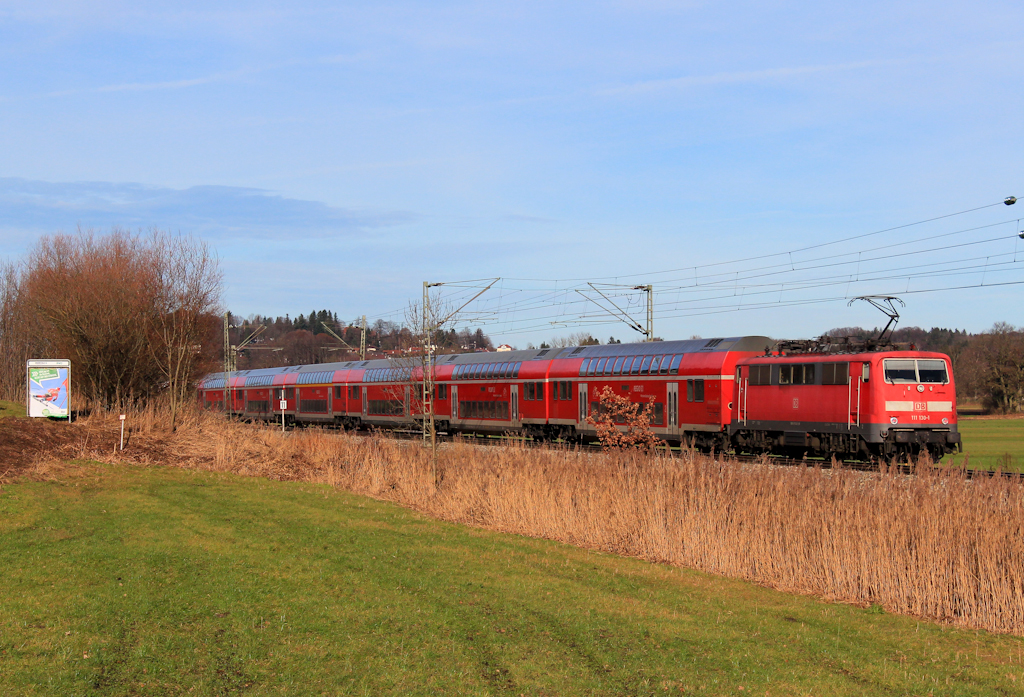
740, 343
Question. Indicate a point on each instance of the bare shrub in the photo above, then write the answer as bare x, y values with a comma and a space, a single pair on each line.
621, 423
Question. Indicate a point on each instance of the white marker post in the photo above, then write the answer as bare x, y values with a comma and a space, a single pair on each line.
284, 403
122, 431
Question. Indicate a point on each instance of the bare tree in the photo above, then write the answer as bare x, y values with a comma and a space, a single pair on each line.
992, 367
93, 297
16, 337
130, 311
187, 285
574, 339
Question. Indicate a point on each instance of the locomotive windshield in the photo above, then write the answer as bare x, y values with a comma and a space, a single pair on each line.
932, 371
908, 370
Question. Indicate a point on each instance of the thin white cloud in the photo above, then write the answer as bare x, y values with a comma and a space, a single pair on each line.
734, 77
185, 83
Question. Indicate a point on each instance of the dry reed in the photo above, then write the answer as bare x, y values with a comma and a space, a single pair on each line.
936, 545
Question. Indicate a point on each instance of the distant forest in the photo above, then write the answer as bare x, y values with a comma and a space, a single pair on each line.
989, 366
304, 340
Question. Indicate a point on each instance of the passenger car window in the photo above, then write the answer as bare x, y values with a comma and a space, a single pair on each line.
645, 366
583, 366
617, 369
600, 367
654, 365
676, 360
663, 370
635, 370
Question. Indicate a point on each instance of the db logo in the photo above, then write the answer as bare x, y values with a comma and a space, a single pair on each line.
920, 406
796, 402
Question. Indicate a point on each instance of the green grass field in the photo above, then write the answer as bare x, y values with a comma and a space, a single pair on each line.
989, 443
159, 581
11, 409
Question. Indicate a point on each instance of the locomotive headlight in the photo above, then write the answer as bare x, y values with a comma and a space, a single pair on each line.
945, 421
920, 388
893, 420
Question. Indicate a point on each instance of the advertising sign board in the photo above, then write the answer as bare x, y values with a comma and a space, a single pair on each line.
48, 388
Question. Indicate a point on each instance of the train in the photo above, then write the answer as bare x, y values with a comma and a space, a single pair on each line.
747, 395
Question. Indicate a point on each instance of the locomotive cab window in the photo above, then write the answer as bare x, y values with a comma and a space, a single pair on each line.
900, 370
908, 370
932, 371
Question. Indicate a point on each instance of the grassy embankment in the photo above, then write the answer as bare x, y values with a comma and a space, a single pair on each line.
991, 442
131, 580
11, 409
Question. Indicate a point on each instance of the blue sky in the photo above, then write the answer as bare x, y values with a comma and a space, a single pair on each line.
336, 155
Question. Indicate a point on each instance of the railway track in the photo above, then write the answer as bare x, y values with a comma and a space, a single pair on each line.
779, 460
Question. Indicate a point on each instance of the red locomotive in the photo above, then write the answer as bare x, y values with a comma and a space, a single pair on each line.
747, 394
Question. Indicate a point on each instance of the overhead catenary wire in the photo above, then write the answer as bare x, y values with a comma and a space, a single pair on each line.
530, 305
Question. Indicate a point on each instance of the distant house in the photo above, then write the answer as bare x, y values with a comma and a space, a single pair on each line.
504, 347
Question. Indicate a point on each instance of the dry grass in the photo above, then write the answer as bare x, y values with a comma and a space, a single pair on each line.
937, 545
